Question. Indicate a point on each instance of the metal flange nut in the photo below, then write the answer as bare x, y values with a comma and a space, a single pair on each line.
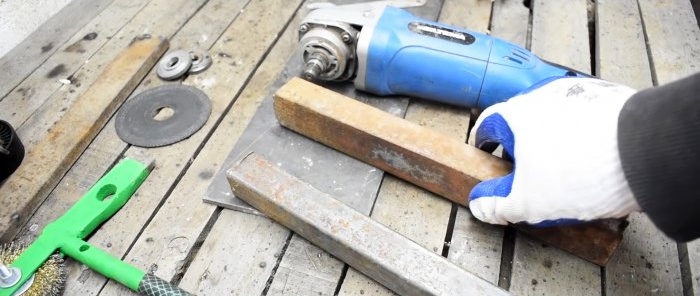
174, 64
201, 60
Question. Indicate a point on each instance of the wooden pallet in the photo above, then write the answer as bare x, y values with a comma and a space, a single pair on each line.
167, 230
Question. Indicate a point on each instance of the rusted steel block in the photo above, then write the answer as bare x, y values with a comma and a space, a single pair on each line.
421, 156
370, 247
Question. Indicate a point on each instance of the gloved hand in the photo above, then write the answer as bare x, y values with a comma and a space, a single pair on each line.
562, 136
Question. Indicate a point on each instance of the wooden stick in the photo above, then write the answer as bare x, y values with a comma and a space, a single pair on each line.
370, 247
420, 156
51, 158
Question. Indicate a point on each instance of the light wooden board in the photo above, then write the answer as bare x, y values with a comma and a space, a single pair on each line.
241, 267
621, 53
306, 270
542, 270
673, 40
106, 147
475, 245
45, 165
235, 57
673, 36
416, 213
511, 21
646, 261
237, 53
159, 18
116, 237
691, 272
225, 234
559, 34
211, 158
36, 88
24, 58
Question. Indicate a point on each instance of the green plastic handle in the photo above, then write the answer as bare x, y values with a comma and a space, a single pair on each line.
66, 234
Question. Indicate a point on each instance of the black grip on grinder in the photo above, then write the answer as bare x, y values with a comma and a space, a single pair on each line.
11, 150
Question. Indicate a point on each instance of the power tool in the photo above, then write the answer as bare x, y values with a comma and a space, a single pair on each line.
386, 50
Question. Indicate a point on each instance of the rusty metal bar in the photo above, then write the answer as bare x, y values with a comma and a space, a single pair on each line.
421, 156
368, 246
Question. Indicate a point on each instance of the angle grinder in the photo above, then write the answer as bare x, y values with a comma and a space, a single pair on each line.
386, 50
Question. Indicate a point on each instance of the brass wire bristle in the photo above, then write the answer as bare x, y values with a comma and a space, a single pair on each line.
49, 279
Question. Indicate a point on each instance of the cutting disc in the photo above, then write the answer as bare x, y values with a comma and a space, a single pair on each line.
162, 116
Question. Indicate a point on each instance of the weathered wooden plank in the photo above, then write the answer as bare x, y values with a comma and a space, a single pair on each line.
159, 18
257, 243
541, 270
50, 159
511, 21
559, 34
621, 53
646, 261
106, 147
249, 269
19, 20
673, 41
246, 276
384, 255
34, 90
476, 246
691, 270
236, 53
118, 234
306, 270
416, 213
24, 58
673, 38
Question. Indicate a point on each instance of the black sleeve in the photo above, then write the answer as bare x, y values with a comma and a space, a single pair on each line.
659, 143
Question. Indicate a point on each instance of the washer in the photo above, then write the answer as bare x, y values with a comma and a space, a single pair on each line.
174, 64
140, 124
201, 61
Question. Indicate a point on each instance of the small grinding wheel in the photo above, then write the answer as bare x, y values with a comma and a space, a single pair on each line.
200, 61
162, 116
174, 64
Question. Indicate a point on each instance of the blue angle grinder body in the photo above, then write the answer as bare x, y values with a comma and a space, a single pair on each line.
386, 50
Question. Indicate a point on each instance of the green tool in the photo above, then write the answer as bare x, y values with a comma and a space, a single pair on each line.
68, 232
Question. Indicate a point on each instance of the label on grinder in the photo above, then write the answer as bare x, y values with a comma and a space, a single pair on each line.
441, 32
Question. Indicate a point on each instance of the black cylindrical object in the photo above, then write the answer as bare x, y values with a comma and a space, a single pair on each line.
11, 150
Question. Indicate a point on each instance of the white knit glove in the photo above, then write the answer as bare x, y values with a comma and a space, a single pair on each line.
562, 136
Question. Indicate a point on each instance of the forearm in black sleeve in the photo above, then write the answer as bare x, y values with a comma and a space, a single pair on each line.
659, 143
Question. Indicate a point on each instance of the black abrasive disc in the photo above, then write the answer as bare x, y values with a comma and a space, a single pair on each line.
183, 110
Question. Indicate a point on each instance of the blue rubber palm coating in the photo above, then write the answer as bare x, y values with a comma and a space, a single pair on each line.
495, 129
419, 58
